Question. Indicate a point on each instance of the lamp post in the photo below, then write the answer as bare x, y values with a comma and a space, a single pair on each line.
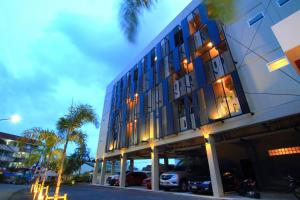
14, 118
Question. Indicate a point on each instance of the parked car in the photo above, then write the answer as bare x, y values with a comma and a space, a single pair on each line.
178, 178
133, 179
202, 184
147, 183
111, 180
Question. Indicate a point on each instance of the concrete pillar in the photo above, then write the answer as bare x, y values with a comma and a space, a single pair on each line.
122, 179
166, 163
95, 173
214, 170
131, 165
154, 169
113, 167
103, 172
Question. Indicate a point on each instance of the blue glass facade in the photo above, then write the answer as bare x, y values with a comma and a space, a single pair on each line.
187, 80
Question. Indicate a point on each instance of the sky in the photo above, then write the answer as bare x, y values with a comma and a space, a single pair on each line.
53, 52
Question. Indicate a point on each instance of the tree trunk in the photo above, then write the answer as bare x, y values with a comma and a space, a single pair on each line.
56, 194
46, 168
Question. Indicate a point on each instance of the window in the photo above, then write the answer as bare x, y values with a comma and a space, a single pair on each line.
282, 2
218, 62
165, 47
226, 99
194, 21
178, 36
255, 19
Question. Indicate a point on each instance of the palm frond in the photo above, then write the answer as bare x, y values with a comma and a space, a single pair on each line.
221, 10
129, 14
77, 117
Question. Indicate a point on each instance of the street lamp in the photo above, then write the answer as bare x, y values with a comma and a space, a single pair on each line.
15, 118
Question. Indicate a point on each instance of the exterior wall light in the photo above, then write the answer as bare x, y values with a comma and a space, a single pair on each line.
210, 45
277, 64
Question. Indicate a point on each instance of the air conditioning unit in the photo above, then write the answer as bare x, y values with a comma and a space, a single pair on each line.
176, 89
218, 66
183, 123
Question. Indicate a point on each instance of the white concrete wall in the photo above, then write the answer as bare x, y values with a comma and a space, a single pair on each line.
263, 48
104, 123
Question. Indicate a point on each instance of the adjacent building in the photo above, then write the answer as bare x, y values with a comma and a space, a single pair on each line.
232, 91
11, 155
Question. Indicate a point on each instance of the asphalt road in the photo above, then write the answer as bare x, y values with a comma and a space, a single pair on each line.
90, 192
6, 190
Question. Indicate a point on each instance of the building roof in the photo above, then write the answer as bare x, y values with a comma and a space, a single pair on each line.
9, 136
14, 137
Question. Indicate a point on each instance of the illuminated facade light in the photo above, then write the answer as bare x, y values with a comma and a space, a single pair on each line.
277, 64
210, 44
284, 151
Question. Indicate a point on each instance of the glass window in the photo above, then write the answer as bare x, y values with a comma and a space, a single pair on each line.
178, 36
202, 107
166, 66
165, 47
164, 120
231, 97
226, 99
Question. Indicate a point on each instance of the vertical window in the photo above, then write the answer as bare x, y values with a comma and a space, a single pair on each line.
202, 107
165, 47
178, 36
194, 21
218, 62
226, 99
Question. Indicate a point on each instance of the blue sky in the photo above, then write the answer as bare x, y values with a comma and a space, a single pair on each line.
53, 51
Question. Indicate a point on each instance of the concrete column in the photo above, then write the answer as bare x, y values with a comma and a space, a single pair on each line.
131, 166
166, 163
154, 169
95, 173
103, 172
214, 170
113, 167
122, 179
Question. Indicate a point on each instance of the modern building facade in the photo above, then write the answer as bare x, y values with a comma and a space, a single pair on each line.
227, 89
11, 155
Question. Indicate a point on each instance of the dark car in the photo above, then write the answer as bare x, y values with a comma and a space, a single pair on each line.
185, 169
111, 180
133, 179
202, 184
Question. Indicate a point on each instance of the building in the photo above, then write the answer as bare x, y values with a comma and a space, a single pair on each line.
232, 91
11, 155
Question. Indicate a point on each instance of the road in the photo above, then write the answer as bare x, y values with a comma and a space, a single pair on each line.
6, 190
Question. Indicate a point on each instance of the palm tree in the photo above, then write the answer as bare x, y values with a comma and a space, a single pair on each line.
131, 10
47, 141
69, 129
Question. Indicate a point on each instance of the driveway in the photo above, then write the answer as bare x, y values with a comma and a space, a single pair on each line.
6, 190
91, 192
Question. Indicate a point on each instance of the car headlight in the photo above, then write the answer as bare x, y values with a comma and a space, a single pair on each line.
206, 182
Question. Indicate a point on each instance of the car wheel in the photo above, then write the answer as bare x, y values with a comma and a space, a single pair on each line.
183, 186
